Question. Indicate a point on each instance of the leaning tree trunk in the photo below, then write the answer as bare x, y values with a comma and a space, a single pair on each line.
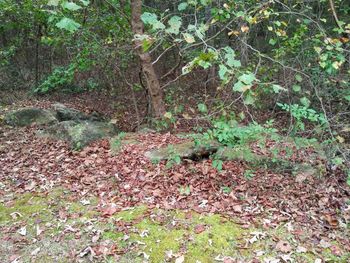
153, 85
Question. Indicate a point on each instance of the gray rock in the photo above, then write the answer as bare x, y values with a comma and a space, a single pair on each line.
29, 116
80, 133
64, 113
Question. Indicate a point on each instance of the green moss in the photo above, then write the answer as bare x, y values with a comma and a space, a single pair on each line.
111, 235
121, 140
28, 207
219, 238
131, 215
159, 239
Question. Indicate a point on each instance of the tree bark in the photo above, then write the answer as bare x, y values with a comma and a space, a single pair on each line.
153, 85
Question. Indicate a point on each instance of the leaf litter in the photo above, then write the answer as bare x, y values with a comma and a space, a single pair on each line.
315, 211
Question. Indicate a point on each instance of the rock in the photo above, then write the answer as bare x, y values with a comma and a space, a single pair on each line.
302, 170
29, 116
186, 150
122, 139
66, 114
80, 133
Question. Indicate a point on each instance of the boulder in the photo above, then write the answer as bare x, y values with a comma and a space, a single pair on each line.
186, 150
64, 113
29, 116
122, 139
310, 168
80, 133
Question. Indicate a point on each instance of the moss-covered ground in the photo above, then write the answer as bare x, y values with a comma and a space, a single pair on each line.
56, 227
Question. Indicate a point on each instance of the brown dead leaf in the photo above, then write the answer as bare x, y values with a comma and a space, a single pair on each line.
336, 250
237, 208
283, 246
199, 229
109, 210
332, 221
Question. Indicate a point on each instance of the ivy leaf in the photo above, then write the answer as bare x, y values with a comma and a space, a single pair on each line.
68, 24
296, 88
71, 6
230, 58
168, 115
298, 78
347, 97
175, 23
272, 42
249, 99
189, 38
277, 88
247, 78
305, 101
182, 6
222, 72
151, 19
241, 87
202, 108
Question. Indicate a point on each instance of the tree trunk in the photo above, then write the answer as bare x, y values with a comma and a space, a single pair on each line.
153, 85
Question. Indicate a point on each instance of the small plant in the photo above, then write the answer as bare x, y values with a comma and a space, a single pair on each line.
60, 77
249, 174
302, 113
185, 190
226, 190
173, 157
231, 134
116, 143
217, 163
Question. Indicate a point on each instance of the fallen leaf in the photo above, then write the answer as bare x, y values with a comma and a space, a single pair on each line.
332, 221
22, 231
283, 246
84, 202
336, 250
199, 229
301, 249
109, 210
237, 208
180, 259
35, 251
324, 244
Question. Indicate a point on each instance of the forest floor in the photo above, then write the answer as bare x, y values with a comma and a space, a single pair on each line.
102, 205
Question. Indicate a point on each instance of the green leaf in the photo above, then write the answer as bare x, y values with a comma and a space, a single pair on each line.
296, 88
217, 164
182, 6
222, 72
175, 23
189, 38
305, 101
298, 78
241, 87
85, 2
347, 97
71, 6
68, 24
151, 19
249, 99
272, 42
247, 78
230, 58
168, 115
277, 88
202, 108
53, 2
